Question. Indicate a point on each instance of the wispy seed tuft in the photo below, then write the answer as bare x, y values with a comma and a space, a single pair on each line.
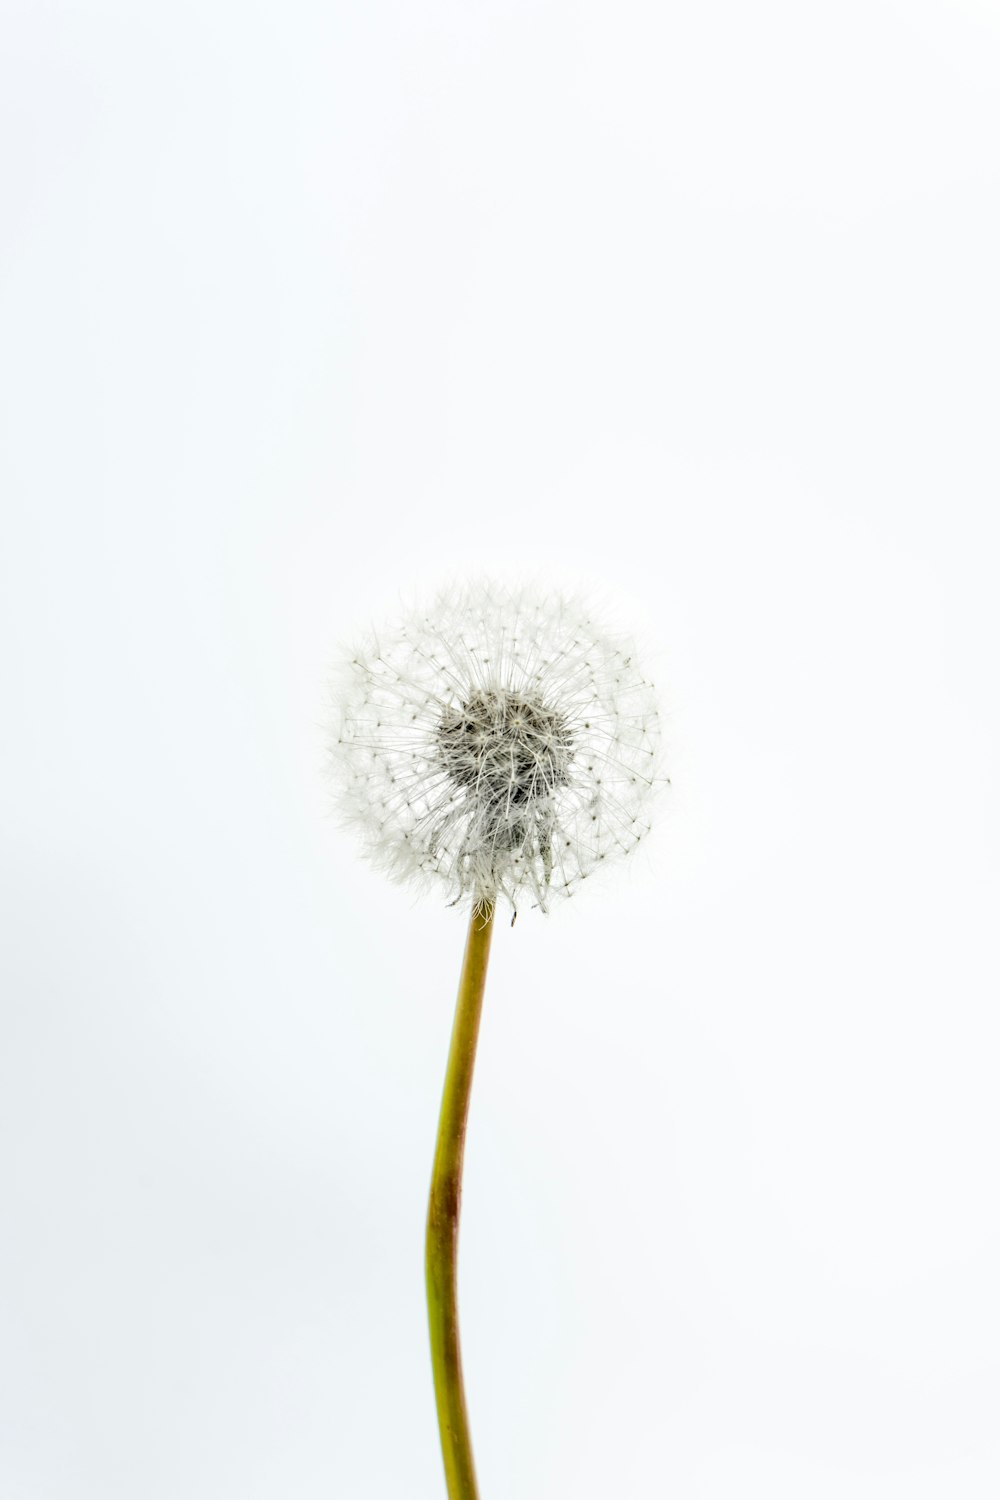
501, 743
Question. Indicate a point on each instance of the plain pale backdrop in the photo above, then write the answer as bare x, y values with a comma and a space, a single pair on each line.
306, 308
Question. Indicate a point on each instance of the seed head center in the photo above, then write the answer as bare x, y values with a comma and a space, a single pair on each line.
511, 750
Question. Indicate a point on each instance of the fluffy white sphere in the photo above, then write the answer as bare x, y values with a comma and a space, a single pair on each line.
501, 742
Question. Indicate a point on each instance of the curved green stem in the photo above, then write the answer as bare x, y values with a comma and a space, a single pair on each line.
443, 1213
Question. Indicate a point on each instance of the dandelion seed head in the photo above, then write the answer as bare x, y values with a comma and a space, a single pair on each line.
500, 743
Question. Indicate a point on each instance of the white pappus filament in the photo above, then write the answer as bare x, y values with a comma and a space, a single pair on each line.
501, 742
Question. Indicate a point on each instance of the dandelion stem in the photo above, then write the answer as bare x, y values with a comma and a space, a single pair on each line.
443, 1214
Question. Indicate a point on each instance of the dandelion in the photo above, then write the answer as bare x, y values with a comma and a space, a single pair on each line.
502, 746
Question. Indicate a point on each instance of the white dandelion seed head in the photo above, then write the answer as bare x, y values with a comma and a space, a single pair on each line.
501, 743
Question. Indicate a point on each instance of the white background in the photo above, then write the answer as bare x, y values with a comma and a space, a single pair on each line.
309, 306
